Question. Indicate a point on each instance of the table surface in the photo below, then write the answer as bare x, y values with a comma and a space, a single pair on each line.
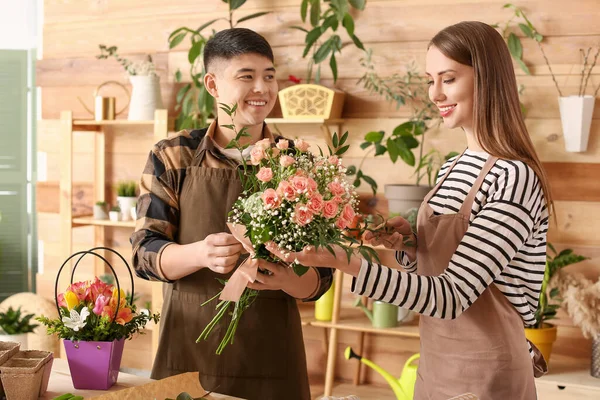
60, 383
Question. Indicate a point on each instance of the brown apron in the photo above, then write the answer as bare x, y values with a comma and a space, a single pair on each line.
484, 350
267, 358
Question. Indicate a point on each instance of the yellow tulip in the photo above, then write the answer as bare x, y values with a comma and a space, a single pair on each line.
71, 299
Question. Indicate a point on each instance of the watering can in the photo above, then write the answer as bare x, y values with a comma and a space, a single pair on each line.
104, 107
403, 387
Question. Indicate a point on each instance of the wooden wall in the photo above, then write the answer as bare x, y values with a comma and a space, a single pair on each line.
398, 32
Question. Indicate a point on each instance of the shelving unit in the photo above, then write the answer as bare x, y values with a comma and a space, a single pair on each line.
68, 222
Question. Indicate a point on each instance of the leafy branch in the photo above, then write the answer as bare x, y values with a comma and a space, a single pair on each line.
335, 15
194, 102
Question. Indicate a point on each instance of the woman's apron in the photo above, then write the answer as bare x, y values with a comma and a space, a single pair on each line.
267, 358
484, 350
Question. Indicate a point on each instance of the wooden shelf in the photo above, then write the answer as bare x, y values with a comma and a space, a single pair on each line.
355, 320
89, 220
92, 122
319, 121
570, 372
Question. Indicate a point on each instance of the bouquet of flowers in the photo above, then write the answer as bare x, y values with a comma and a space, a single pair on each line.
96, 311
292, 198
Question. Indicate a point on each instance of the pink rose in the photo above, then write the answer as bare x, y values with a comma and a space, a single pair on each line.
338, 199
265, 174
348, 213
341, 223
301, 145
274, 152
257, 154
336, 188
315, 203
300, 184
330, 209
283, 144
333, 160
286, 161
312, 185
302, 215
61, 300
101, 302
271, 199
263, 144
286, 191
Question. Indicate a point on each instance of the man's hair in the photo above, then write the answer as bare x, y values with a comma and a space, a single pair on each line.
230, 43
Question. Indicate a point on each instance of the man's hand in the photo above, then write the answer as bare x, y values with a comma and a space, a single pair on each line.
219, 252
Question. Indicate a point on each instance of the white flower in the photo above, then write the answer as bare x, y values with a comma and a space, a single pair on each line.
77, 321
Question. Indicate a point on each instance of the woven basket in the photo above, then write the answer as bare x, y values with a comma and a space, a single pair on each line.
308, 101
22, 378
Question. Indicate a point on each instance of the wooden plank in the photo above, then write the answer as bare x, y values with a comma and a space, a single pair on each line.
48, 195
56, 99
379, 22
92, 71
563, 53
571, 181
577, 223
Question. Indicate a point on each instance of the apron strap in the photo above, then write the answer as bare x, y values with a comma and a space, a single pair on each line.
437, 186
467, 205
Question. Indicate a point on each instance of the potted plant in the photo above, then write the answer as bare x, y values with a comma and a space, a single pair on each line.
126, 198
543, 334
145, 96
409, 90
581, 300
576, 110
94, 320
308, 101
195, 104
14, 326
115, 214
100, 210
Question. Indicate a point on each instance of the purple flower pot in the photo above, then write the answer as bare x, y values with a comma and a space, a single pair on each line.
94, 365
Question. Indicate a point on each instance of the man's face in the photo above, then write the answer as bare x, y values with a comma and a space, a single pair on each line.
248, 80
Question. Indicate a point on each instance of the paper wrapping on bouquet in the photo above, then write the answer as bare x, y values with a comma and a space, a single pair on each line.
246, 272
94, 365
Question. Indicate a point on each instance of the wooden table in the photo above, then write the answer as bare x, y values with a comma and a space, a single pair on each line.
60, 383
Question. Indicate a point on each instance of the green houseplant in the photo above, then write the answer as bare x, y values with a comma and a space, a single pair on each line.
126, 198
194, 103
14, 326
543, 334
145, 96
576, 111
322, 41
100, 211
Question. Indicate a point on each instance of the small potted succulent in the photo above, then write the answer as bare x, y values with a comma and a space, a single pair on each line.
100, 210
115, 214
126, 198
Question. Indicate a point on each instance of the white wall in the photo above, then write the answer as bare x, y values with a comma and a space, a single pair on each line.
19, 24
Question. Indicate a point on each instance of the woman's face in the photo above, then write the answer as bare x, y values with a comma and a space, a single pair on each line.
451, 89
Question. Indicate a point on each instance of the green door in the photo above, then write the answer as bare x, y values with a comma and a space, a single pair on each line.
15, 175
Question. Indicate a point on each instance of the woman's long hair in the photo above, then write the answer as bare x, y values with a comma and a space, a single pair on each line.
497, 120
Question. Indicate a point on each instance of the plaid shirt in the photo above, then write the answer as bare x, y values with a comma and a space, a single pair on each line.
158, 205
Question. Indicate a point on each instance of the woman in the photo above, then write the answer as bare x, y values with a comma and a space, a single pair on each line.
476, 271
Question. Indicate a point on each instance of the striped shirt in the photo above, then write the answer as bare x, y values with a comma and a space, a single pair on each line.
505, 243
157, 221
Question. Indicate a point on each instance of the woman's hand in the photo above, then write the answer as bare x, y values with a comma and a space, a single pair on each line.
321, 257
396, 235
277, 276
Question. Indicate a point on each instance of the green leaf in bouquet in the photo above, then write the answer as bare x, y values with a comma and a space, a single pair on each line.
351, 170
299, 269
342, 150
